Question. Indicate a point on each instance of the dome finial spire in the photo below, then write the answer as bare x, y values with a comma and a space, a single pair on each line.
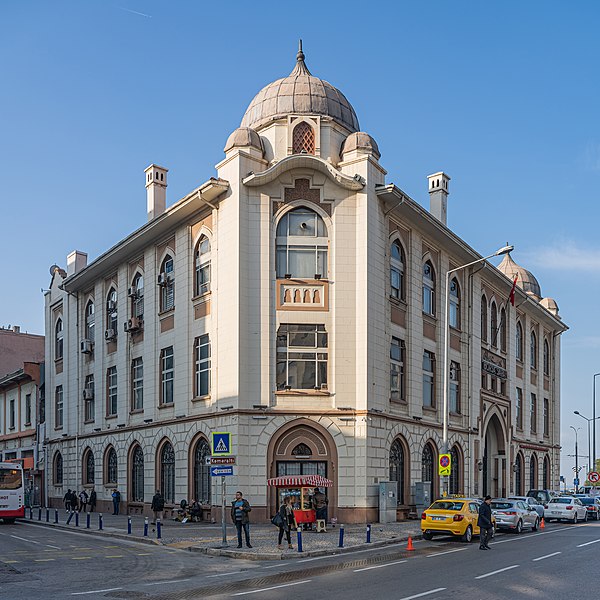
300, 68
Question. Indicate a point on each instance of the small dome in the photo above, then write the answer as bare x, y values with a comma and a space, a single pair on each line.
244, 137
359, 140
525, 279
550, 305
299, 93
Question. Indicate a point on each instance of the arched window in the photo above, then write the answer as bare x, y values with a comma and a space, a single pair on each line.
494, 324
202, 480
167, 473
111, 312
533, 350
519, 342
427, 464
58, 340
58, 469
303, 139
397, 467
503, 330
455, 471
136, 293
112, 472
137, 475
90, 321
202, 267
397, 262
454, 304
88, 468
428, 289
301, 245
547, 485
519, 476
484, 319
166, 280
532, 473
546, 358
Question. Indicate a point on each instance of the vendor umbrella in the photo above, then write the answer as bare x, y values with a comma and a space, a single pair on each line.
300, 481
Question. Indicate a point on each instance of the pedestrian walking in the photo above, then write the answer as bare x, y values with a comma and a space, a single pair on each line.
287, 522
485, 523
240, 508
158, 505
93, 500
74, 501
67, 500
83, 501
116, 498
320, 502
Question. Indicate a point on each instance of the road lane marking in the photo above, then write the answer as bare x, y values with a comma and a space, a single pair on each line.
144, 553
423, 594
317, 558
446, 552
43, 559
496, 572
50, 546
164, 582
223, 574
398, 562
95, 591
275, 587
81, 558
25, 540
275, 566
588, 543
10, 562
547, 556
114, 556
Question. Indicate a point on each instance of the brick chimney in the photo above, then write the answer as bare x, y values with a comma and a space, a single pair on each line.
438, 195
156, 190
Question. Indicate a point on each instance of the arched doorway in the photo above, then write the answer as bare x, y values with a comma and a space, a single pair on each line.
455, 482
533, 468
546, 473
494, 481
399, 471
519, 475
429, 460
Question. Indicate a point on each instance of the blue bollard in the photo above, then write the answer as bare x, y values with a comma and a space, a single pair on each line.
87, 520
341, 544
76, 519
56, 516
70, 517
100, 522
299, 532
368, 533
146, 527
40, 513
158, 529
128, 525
47, 515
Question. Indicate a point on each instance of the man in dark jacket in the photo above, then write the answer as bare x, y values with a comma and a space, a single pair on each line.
240, 508
158, 505
485, 523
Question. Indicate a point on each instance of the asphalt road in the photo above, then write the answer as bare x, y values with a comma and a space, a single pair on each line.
558, 562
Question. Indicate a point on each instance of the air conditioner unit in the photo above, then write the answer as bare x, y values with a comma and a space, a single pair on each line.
126, 326
111, 305
131, 292
134, 324
88, 394
162, 279
110, 334
87, 346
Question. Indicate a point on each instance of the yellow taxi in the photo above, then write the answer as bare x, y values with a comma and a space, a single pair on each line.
452, 516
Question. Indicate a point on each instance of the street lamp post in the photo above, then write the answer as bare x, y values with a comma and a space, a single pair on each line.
593, 468
576, 460
591, 465
504, 250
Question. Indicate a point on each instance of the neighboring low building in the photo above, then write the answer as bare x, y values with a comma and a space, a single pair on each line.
296, 301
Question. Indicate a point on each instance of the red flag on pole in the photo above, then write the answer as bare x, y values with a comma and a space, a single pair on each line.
511, 297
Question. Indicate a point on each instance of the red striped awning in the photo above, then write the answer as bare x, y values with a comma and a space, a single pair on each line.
300, 481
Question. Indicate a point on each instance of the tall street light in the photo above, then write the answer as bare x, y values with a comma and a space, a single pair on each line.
576, 460
594, 419
504, 250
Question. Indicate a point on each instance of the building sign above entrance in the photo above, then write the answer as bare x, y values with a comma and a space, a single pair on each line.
493, 364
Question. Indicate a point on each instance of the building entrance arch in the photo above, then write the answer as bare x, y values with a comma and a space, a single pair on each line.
494, 481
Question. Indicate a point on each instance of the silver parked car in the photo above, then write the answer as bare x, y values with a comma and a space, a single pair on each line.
532, 503
566, 508
514, 515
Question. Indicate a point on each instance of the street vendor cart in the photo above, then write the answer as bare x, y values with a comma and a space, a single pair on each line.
300, 488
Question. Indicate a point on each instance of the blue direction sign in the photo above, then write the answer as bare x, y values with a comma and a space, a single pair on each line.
221, 443
221, 471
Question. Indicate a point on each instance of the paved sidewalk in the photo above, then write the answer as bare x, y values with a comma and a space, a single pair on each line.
208, 537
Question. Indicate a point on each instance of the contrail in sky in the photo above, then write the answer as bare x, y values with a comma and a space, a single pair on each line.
135, 12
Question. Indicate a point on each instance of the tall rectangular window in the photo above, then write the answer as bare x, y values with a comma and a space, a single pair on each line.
533, 413
454, 388
137, 384
202, 365
519, 408
89, 399
27, 409
397, 352
428, 379
167, 372
546, 417
111, 391
11, 414
58, 406
301, 357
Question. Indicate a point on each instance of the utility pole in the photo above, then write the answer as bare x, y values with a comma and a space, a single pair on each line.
576, 461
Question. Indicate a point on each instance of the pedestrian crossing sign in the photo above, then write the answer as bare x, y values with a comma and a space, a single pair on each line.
221, 443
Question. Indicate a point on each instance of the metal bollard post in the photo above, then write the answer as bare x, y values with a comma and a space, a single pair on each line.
129, 525
56, 516
299, 531
100, 522
47, 515
368, 533
30, 513
76, 519
158, 529
341, 544
40, 513
87, 520
70, 517
145, 526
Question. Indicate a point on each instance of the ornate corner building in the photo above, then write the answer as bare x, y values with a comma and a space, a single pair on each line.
297, 301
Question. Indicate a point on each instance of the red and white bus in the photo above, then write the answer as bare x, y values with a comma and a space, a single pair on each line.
12, 492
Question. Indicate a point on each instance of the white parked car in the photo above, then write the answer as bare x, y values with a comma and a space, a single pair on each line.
566, 508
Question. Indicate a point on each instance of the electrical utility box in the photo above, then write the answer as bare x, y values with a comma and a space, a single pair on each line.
388, 501
422, 496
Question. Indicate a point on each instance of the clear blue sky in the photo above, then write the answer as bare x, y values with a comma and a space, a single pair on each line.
502, 96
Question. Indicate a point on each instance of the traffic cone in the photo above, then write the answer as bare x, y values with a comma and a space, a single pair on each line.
410, 546
542, 524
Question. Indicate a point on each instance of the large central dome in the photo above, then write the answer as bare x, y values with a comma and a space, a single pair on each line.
300, 93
